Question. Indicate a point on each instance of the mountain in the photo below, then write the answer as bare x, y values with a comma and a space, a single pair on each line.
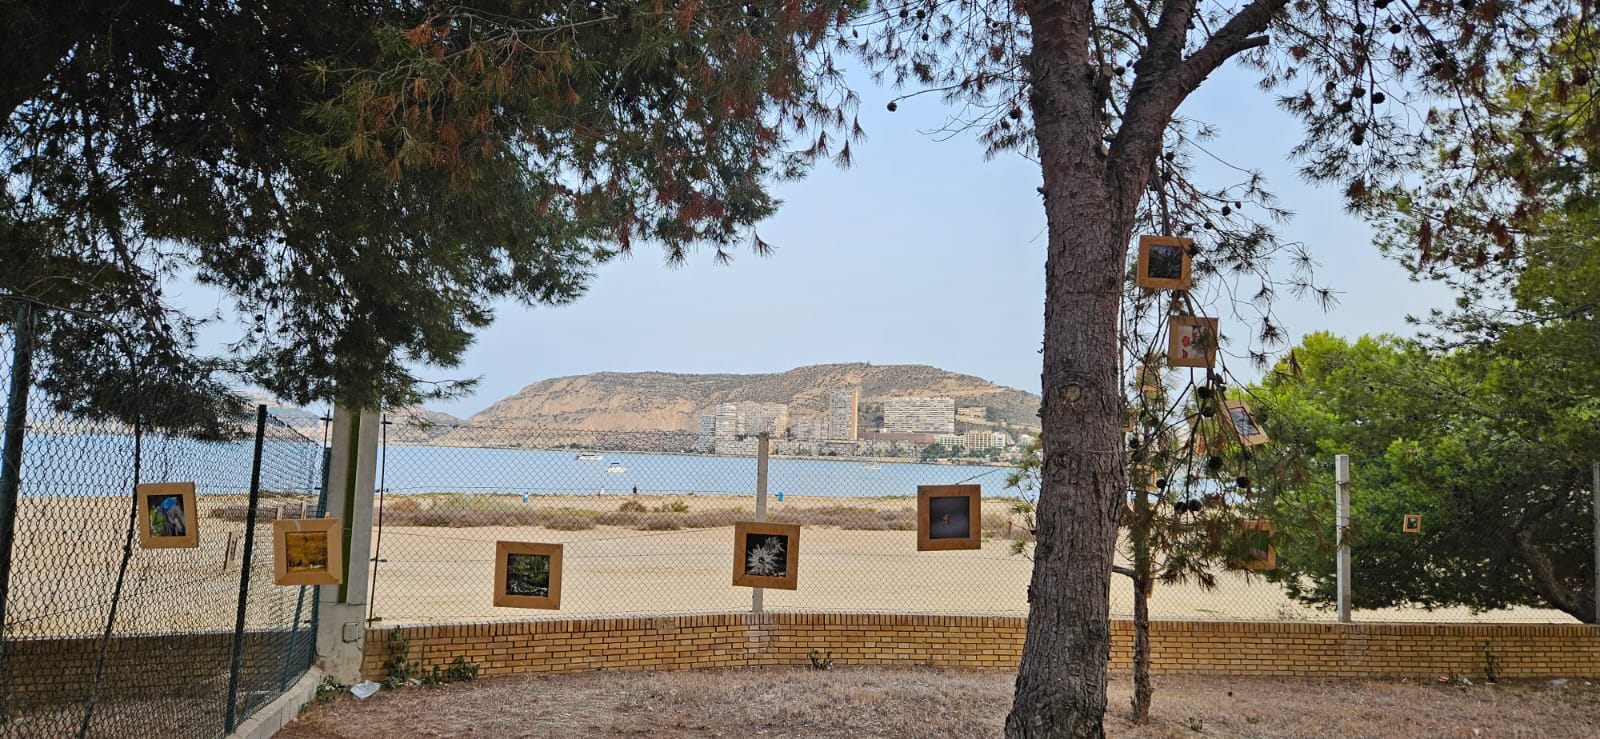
660, 401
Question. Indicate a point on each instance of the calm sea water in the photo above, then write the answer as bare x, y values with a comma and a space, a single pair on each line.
102, 465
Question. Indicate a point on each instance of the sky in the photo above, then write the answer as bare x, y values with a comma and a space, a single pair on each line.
922, 253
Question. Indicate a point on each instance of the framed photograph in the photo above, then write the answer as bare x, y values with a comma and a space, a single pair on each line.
1412, 523
766, 555
167, 516
949, 517
1147, 378
1192, 342
1164, 263
1259, 552
307, 551
1244, 423
527, 575
1130, 418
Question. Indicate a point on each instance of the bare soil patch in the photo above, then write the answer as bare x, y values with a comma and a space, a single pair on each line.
918, 702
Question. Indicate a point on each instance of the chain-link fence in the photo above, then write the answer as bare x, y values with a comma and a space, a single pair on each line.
646, 526
104, 636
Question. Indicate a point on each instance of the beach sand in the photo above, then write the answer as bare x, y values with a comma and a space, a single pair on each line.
68, 550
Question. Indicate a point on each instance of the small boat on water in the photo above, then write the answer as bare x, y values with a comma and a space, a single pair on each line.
616, 468
872, 466
589, 457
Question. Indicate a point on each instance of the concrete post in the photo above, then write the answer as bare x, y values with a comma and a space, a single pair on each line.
1341, 472
763, 450
341, 624
1596, 490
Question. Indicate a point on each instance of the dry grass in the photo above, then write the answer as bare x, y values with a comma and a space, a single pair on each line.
911, 702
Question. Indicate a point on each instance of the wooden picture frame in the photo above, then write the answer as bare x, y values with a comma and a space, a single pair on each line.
949, 517
766, 555
168, 518
1244, 423
1164, 263
1260, 559
1130, 418
508, 553
307, 551
1411, 523
1187, 336
1147, 379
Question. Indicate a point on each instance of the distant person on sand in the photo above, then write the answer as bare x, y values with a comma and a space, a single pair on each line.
635, 489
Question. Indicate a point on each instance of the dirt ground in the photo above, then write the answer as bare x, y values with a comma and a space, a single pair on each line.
905, 702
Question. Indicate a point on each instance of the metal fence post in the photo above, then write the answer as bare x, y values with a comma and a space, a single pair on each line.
11, 460
1341, 472
245, 561
763, 450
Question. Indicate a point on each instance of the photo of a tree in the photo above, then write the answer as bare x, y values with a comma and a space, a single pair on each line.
307, 551
527, 575
1163, 263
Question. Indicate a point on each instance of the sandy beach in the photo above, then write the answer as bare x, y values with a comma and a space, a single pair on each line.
615, 563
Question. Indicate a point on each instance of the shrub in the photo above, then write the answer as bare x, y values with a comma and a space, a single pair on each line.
631, 506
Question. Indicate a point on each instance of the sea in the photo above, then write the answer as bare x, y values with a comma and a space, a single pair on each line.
102, 465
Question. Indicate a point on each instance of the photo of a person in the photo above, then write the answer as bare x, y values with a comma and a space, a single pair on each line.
166, 516
949, 518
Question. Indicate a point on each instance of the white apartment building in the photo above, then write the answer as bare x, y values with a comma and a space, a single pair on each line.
842, 411
914, 415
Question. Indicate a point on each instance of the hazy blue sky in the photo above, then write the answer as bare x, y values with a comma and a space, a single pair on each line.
922, 253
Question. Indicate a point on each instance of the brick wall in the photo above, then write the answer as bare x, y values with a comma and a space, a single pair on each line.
1194, 647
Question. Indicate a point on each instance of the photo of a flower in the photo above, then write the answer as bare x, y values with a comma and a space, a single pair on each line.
766, 555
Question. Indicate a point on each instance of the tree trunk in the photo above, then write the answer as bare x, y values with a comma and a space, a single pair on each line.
1142, 689
1061, 681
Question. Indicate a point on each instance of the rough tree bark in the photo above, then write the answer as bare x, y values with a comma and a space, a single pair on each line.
1091, 194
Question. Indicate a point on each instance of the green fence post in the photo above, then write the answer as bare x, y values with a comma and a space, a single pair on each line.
11, 458
244, 572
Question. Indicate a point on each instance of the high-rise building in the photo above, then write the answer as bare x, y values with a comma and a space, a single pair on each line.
748, 418
842, 413
913, 415
708, 432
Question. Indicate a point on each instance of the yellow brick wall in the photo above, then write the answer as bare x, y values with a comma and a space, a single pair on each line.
980, 642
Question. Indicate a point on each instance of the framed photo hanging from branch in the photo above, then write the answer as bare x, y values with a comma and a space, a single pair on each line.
1259, 552
527, 575
307, 551
1164, 263
766, 555
168, 518
1192, 342
1411, 524
949, 517
1244, 423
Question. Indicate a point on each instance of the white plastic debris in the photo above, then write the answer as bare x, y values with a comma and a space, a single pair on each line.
1558, 682
364, 689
